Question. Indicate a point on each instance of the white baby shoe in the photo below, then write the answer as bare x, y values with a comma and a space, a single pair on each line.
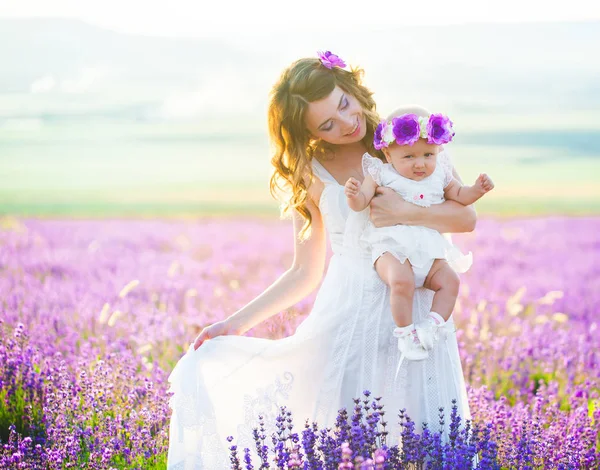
409, 344
428, 330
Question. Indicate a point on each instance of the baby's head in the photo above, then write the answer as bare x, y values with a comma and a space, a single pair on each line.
411, 137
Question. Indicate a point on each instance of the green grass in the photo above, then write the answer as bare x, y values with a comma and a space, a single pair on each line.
121, 168
538, 207
100, 209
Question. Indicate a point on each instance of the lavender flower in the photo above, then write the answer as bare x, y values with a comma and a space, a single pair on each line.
82, 387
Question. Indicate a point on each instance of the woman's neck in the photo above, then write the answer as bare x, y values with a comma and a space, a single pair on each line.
348, 152
345, 161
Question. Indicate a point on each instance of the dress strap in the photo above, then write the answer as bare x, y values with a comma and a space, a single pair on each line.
445, 162
322, 173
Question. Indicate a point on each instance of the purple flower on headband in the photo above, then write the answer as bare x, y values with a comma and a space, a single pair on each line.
439, 129
384, 135
378, 141
406, 129
330, 60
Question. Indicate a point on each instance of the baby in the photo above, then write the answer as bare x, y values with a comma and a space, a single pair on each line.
404, 256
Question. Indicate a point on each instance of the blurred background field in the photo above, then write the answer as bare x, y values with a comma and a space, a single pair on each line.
131, 109
95, 122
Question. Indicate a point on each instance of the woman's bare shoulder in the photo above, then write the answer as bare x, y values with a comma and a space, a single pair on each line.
315, 189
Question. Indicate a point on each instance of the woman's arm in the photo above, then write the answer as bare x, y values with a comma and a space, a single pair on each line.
388, 208
295, 284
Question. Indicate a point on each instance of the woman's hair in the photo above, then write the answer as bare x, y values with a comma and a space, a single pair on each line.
305, 81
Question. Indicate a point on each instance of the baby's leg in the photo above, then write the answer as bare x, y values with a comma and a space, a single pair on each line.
401, 280
445, 283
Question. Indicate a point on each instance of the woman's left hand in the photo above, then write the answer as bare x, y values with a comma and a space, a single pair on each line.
388, 208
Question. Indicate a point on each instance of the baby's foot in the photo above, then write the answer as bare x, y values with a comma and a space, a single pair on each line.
409, 344
428, 329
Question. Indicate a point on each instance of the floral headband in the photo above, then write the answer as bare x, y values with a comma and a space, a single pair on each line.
330, 60
408, 128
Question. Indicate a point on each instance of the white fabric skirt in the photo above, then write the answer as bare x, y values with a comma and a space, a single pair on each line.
343, 347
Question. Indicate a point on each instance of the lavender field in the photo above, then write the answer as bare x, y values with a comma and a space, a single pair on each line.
94, 314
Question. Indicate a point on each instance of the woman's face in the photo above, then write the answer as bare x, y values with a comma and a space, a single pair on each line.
337, 118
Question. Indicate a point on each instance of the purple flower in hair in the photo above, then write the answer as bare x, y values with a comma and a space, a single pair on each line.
406, 129
330, 60
439, 129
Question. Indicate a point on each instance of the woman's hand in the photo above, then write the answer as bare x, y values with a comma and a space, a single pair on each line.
220, 328
388, 208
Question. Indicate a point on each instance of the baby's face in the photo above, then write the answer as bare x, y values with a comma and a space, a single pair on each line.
414, 162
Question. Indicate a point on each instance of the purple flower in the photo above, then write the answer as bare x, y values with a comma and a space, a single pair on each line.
330, 60
378, 142
439, 129
406, 129
551, 364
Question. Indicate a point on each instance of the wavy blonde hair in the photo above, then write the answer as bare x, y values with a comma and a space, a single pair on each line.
305, 81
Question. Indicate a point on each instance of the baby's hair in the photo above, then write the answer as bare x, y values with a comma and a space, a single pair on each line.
409, 109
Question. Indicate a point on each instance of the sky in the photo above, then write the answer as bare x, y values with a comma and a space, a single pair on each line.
214, 18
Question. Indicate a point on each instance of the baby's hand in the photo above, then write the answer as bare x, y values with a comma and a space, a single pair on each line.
484, 183
352, 188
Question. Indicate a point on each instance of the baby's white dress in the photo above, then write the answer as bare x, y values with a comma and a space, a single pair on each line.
420, 245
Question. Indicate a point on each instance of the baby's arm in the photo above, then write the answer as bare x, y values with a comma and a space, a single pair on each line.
359, 195
467, 195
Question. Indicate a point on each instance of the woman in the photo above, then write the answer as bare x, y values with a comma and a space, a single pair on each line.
322, 120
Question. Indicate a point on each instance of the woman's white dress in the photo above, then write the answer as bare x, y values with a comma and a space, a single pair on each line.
343, 347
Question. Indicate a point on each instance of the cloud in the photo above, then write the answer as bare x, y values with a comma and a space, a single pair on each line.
43, 85
221, 94
86, 80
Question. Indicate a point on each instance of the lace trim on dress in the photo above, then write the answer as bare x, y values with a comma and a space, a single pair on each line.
264, 402
372, 166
